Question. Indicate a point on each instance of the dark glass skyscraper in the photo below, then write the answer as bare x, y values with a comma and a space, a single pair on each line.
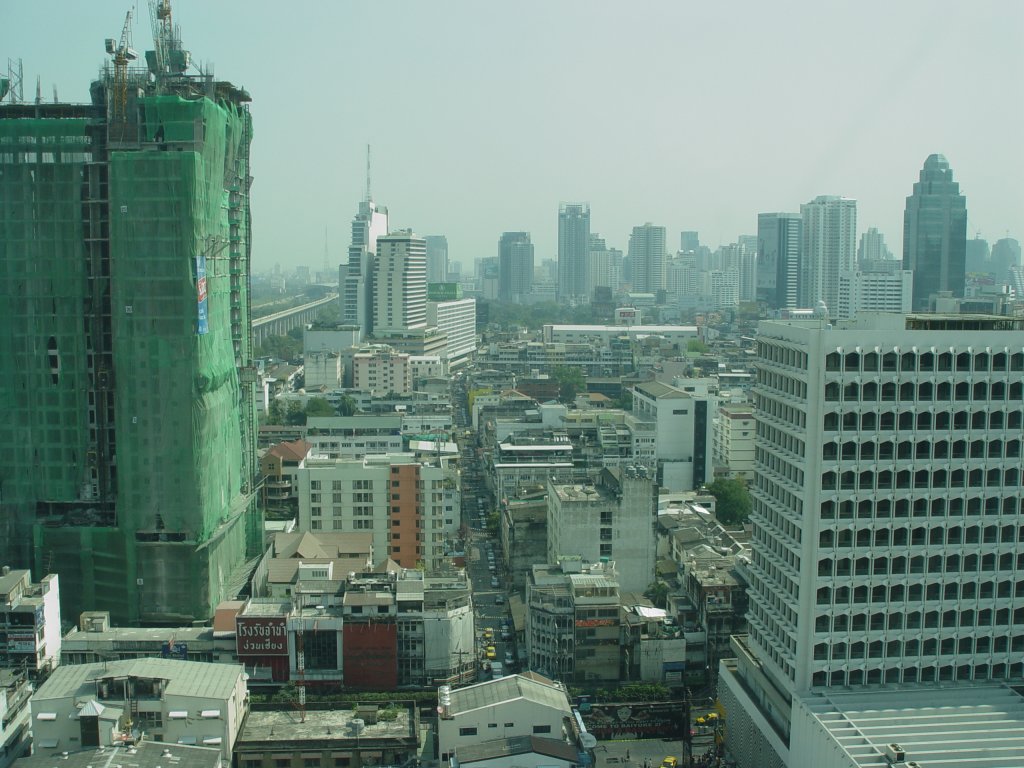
935, 233
515, 265
778, 258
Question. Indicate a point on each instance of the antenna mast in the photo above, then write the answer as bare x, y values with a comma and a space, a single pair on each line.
369, 197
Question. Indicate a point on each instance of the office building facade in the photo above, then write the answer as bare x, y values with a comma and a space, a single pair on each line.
935, 233
515, 266
573, 250
356, 294
437, 258
400, 284
647, 257
829, 248
779, 243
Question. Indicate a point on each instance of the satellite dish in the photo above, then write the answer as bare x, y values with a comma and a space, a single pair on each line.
588, 740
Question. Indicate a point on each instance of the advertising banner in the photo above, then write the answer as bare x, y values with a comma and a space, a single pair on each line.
261, 636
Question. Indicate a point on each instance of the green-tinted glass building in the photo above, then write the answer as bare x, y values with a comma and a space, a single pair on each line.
935, 233
126, 383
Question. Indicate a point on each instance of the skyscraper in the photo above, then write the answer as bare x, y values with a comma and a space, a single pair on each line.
647, 255
126, 372
872, 247
437, 258
400, 284
573, 250
369, 224
515, 265
935, 233
887, 512
779, 240
829, 248
1005, 256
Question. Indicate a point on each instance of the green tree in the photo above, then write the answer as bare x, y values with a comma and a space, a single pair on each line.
696, 345
275, 413
657, 593
295, 415
624, 400
732, 500
318, 406
347, 406
571, 382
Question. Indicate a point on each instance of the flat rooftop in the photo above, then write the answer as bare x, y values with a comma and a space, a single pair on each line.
939, 726
323, 725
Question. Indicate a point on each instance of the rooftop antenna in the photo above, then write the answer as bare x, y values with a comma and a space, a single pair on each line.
369, 197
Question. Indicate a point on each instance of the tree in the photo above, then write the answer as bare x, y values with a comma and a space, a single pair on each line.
296, 415
347, 406
571, 381
657, 593
696, 345
275, 412
624, 400
732, 500
318, 406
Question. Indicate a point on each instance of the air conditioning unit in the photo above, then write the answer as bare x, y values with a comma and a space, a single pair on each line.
895, 753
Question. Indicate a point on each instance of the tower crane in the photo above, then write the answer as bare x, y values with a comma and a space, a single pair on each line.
122, 52
163, 34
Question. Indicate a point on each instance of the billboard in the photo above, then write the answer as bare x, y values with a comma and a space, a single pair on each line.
203, 320
261, 635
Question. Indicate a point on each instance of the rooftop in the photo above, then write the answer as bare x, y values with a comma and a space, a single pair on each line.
184, 678
286, 725
494, 692
660, 391
146, 754
939, 726
516, 745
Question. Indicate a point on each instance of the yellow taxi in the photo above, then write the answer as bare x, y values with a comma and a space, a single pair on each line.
491, 653
670, 762
488, 634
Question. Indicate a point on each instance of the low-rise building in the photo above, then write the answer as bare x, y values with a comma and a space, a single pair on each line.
572, 621
15, 720
329, 737
734, 440
30, 632
103, 705
515, 705
381, 370
140, 754
279, 465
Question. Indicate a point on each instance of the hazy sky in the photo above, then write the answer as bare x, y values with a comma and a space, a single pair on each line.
484, 115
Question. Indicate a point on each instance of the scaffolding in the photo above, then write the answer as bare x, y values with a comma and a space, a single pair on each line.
127, 380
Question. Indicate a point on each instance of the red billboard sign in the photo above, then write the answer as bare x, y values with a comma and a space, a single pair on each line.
261, 636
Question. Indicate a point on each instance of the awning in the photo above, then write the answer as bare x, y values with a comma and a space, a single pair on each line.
212, 740
177, 714
187, 740
48, 743
210, 713
46, 716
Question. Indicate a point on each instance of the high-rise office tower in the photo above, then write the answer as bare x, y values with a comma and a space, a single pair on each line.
935, 233
573, 250
689, 241
829, 248
369, 224
887, 517
515, 265
1005, 256
437, 258
605, 268
127, 382
647, 255
399, 284
872, 247
779, 241
977, 255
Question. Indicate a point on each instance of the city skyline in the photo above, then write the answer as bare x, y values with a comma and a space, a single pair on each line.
865, 140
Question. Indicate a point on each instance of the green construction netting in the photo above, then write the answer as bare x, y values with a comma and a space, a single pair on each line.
185, 437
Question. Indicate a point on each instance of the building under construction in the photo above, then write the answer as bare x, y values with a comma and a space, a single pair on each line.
126, 385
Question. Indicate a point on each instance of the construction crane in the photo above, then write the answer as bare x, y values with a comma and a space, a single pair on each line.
163, 34
122, 53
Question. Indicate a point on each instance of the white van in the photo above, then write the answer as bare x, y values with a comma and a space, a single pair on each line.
497, 670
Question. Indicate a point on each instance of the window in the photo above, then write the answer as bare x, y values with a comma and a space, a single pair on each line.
542, 729
462, 731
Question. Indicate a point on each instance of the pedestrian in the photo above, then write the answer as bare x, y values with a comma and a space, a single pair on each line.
627, 754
